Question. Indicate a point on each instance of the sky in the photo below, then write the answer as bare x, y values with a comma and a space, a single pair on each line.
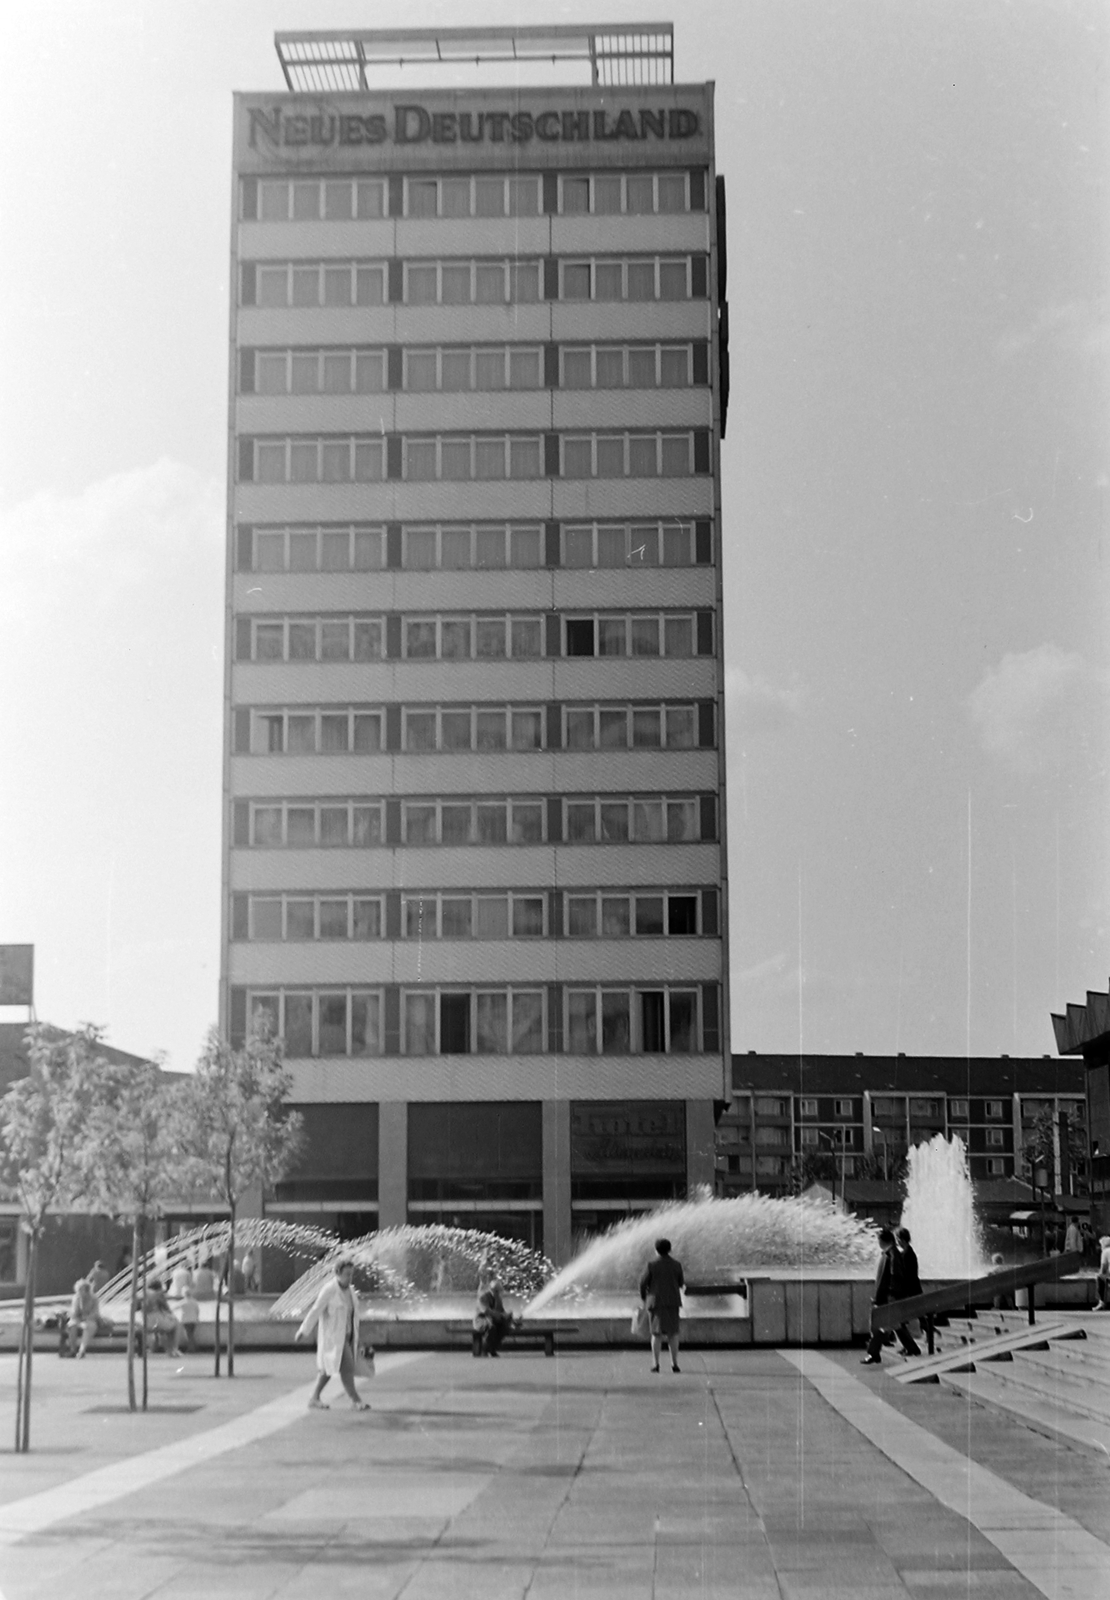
914, 505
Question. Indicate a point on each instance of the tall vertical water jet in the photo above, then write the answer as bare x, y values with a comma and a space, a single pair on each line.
939, 1210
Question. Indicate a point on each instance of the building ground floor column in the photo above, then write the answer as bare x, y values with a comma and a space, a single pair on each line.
700, 1145
557, 1235
393, 1163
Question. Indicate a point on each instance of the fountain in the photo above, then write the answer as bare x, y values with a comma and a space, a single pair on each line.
939, 1210
422, 1272
796, 1269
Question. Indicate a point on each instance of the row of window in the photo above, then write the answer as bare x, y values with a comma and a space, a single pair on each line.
494, 1021
462, 914
471, 281
515, 194
463, 458
347, 730
458, 369
474, 637
463, 820
885, 1108
484, 548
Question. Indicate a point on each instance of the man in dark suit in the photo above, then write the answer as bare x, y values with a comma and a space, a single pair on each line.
890, 1278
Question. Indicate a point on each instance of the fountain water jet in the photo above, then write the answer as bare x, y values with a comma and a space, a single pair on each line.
939, 1210
713, 1237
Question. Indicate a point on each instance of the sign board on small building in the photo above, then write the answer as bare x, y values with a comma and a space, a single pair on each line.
17, 974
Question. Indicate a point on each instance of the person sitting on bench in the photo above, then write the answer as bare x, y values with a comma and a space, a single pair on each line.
491, 1320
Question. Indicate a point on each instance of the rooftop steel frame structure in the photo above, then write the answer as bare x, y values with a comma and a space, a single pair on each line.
617, 53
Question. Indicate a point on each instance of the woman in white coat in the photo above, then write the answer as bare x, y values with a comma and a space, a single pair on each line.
335, 1317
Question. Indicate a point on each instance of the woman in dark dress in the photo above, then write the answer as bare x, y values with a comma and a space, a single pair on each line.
661, 1291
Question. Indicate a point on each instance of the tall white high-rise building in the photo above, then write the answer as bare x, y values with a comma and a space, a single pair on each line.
473, 860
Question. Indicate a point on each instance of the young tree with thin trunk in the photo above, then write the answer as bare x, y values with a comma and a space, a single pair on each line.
45, 1121
238, 1135
138, 1166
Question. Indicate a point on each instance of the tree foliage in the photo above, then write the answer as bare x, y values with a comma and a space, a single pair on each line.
236, 1133
47, 1138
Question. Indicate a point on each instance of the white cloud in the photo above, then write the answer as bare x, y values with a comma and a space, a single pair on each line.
1077, 325
757, 704
111, 664
1039, 707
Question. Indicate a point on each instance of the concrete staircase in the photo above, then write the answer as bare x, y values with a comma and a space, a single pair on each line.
1055, 1375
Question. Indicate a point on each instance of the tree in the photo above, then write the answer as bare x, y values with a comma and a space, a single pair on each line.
1039, 1149
45, 1125
237, 1135
137, 1165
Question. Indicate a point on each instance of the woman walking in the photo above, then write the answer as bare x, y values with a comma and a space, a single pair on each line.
335, 1317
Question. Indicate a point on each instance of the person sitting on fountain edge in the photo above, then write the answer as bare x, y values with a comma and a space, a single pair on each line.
889, 1281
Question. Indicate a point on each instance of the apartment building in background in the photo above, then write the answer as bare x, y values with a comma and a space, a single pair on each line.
474, 781
864, 1113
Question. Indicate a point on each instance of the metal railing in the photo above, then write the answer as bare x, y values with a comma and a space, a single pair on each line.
963, 1297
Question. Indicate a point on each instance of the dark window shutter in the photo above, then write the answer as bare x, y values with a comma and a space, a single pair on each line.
393, 914
710, 1017
551, 544
706, 741
393, 636
393, 546
699, 277
554, 1019
246, 460
703, 544
551, 455
393, 727
708, 808
391, 1023
554, 725
701, 449
551, 366
724, 371
244, 548
396, 195
722, 240
242, 733
237, 1018
550, 194
242, 638
705, 633
396, 286
710, 925
554, 819
240, 922
249, 193
697, 189
701, 361
551, 640
393, 822
554, 914
246, 372
247, 280
550, 278
241, 823
393, 455
395, 367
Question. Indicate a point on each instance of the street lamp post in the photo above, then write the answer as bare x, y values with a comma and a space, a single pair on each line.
831, 1142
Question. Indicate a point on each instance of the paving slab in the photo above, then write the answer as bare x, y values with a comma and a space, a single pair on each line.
569, 1479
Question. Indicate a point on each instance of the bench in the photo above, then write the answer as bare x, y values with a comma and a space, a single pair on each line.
519, 1330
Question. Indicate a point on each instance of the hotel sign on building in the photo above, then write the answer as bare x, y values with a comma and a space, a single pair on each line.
474, 771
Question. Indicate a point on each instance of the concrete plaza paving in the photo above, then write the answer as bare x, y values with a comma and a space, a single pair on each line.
790, 1475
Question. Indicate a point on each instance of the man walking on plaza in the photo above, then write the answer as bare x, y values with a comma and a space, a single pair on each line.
888, 1286
661, 1291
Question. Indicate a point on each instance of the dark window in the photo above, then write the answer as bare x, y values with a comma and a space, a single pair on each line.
653, 1035
454, 1024
580, 637
682, 913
